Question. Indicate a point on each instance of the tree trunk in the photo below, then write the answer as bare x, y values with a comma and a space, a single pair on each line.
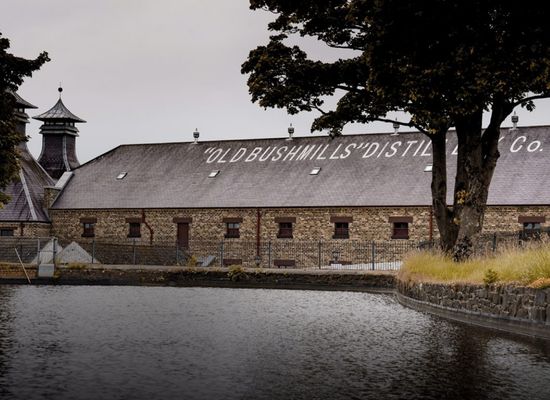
444, 216
460, 225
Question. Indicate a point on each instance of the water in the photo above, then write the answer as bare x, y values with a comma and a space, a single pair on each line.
199, 343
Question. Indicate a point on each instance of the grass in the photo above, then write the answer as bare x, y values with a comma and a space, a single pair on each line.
530, 267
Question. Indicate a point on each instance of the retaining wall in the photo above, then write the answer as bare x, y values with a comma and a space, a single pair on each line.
510, 308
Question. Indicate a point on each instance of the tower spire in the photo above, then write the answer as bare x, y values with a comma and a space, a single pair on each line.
58, 139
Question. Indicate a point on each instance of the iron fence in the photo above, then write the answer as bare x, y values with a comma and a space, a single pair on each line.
280, 253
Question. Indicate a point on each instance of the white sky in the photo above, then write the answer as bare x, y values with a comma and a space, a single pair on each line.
154, 70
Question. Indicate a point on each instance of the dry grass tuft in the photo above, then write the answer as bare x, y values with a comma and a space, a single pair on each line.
529, 266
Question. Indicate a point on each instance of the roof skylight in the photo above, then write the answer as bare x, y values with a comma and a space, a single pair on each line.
315, 171
214, 173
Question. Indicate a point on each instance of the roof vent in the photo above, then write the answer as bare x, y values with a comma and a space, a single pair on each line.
196, 135
428, 168
315, 171
290, 132
395, 128
515, 120
214, 173
121, 176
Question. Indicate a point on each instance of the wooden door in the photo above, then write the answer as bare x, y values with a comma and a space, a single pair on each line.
183, 235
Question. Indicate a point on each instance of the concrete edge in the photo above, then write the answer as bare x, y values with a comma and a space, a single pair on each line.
500, 323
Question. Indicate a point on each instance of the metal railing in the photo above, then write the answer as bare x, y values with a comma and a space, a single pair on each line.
280, 253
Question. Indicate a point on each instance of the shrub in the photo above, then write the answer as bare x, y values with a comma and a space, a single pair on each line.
491, 276
524, 266
236, 273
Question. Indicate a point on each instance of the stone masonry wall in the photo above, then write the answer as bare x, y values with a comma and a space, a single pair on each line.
207, 224
28, 229
509, 301
312, 224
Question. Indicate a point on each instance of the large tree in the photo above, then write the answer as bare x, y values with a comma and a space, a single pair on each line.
445, 63
12, 71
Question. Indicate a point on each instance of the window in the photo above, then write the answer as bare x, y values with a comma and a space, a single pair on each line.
315, 171
531, 229
341, 230
7, 232
400, 230
400, 226
88, 226
135, 230
285, 230
341, 226
232, 229
88, 229
532, 226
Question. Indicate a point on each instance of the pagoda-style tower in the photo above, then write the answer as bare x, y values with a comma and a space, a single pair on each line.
58, 139
26, 206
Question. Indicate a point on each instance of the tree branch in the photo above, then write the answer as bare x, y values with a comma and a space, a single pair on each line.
531, 98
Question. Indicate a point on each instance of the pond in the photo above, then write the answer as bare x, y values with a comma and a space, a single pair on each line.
86, 342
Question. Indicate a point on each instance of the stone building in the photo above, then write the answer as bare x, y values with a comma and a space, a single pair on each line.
26, 214
350, 188
59, 135
249, 195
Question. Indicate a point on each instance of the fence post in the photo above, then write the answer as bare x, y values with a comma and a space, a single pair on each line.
134, 250
93, 250
494, 242
269, 254
221, 254
319, 253
38, 251
373, 253
54, 251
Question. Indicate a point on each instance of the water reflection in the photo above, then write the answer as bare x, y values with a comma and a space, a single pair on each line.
123, 342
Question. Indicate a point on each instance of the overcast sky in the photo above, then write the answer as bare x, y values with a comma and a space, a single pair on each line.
153, 70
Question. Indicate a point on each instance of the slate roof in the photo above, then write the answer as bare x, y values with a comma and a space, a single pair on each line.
356, 170
26, 204
58, 112
21, 102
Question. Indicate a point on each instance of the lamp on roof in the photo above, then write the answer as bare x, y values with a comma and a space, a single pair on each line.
395, 128
196, 135
290, 132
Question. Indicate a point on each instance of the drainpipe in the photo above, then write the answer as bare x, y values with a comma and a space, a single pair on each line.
258, 221
431, 223
151, 232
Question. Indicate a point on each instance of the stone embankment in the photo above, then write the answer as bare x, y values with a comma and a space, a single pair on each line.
507, 307
180, 276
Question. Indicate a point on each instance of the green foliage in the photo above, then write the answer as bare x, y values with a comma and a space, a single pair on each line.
490, 277
191, 262
12, 71
443, 62
237, 273
76, 266
435, 59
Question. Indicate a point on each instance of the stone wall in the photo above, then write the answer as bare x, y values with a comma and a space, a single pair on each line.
207, 229
508, 307
28, 229
506, 218
312, 224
